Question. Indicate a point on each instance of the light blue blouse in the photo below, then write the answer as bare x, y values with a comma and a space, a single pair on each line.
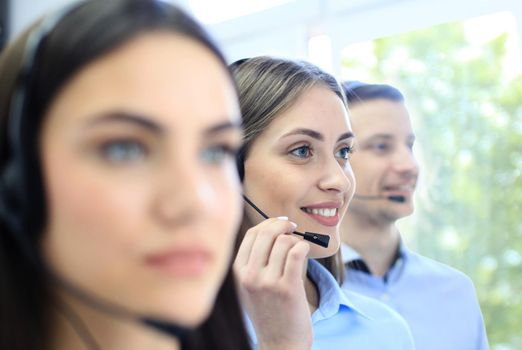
347, 320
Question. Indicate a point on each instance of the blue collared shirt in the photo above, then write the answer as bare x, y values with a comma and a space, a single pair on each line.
437, 301
347, 320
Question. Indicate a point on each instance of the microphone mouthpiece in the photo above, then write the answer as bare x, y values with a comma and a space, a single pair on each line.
398, 199
317, 238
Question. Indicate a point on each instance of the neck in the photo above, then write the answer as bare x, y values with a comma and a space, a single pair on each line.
107, 331
376, 242
312, 294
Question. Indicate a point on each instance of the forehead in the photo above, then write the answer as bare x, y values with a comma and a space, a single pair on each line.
319, 109
380, 116
159, 74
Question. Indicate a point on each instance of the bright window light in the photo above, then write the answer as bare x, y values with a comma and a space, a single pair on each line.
218, 11
320, 51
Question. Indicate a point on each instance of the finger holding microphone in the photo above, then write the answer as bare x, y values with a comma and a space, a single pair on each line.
269, 267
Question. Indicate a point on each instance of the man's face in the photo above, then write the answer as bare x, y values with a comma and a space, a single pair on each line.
383, 164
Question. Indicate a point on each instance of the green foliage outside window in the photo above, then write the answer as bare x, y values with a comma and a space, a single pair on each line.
467, 115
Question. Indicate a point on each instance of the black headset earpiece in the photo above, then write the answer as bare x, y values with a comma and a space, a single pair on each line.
240, 162
237, 63
9, 205
13, 177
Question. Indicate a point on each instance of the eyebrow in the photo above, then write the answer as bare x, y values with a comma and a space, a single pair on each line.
308, 132
381, 136
316, 135
128, 118
346, 135
410, 137
147, 123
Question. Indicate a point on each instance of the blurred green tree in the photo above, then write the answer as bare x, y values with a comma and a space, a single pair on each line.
467, 114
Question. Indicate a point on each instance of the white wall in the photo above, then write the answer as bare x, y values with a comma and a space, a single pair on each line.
285, 30
23, 12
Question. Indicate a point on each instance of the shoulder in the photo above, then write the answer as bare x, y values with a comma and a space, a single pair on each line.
434, 270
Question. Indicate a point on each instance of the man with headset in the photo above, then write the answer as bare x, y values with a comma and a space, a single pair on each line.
437, 301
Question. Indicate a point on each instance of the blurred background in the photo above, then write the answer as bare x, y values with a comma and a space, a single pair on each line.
459, 64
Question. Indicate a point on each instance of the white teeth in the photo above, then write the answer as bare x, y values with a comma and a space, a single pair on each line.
322, 211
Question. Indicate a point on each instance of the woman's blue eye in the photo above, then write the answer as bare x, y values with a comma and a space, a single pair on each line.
217, 154
123, 151
301, 152
344, 153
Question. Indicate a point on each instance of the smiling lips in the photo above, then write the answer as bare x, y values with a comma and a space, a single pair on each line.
325, 214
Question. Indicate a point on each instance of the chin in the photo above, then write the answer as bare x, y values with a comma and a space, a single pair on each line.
194, 318
190, 316
396, 214
186, 309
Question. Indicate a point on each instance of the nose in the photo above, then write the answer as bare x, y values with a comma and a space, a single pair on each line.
405, 162
181, 193
336, 177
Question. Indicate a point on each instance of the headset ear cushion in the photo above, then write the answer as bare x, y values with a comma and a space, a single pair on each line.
240, 162
10, 197
11, 213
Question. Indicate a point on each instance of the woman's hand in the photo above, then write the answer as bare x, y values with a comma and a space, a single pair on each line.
269, 268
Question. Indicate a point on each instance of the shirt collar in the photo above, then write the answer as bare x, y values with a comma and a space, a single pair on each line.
331, 296
349, 254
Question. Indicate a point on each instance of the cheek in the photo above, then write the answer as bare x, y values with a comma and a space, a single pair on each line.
365, 176
226, 210
274, 190
353, 183
90, 203
90, 219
